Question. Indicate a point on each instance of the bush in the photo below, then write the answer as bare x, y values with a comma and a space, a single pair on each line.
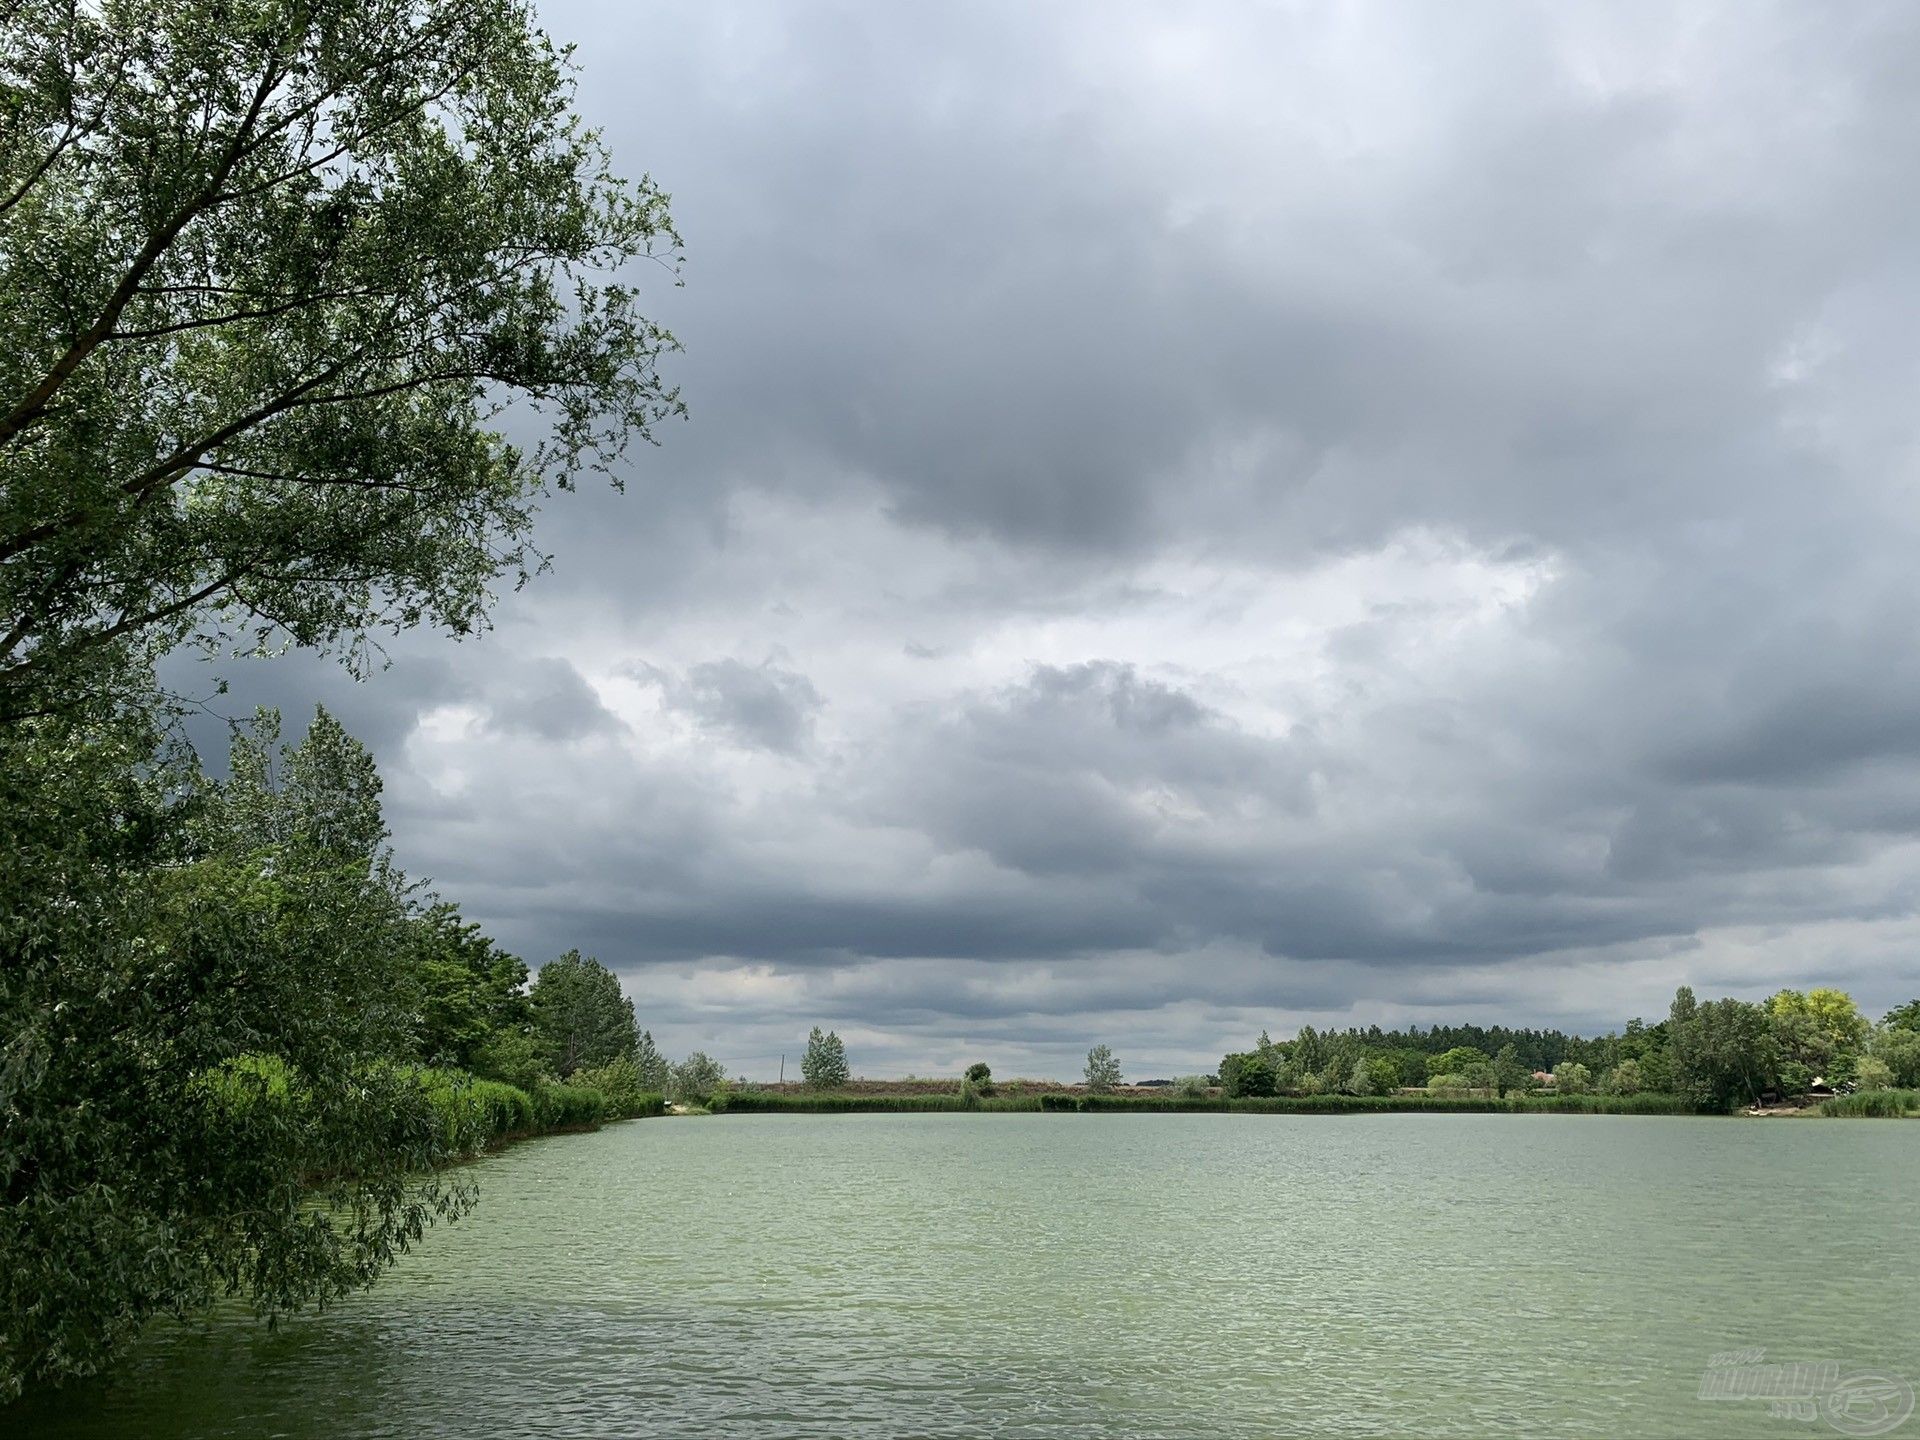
625, 1089
567, 1107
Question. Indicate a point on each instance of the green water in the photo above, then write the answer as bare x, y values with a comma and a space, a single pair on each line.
1089, 1275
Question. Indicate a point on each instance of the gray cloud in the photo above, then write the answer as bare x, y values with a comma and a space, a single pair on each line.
1257, 515
762, 705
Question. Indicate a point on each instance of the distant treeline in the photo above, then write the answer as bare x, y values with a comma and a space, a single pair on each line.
1713, 1055
753, 1101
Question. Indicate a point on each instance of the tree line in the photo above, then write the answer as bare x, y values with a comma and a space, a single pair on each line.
1716, 1054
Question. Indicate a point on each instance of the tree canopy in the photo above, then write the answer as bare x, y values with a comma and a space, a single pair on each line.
271, 277
824, 1064
580, 1015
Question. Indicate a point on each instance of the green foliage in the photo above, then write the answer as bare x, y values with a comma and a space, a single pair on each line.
655, 1072
824, 1065
196, 1015
569, 1106
513, 1057
1190, 1087
579, 1014
268, 276
980, 1073
1373, 1077
696, 1078
1899, 1050
1103, 1071
1624, 1079
1570, 1077
814, 1102
1904, 1017
1873, 1074
1873, 1105
623, 1085
1724, 1051
1816, 1033
472, 997
1460, 1060
1330, 1104
1510, 1072
1448, 1085
1250, 1074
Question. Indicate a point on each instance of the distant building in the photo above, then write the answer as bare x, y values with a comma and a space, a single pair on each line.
1543, 1077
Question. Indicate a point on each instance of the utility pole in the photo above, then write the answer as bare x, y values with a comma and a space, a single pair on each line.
783, 1067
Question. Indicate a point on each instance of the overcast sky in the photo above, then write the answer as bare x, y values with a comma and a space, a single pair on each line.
1196, 518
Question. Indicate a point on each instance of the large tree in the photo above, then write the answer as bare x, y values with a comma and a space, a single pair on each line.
272, 274
580, 1014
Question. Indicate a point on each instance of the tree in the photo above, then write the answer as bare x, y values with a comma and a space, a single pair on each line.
269, 277
655, 1073
1570, 1077
1249, 1075
1818, 1033
1873, 1073
1625, 1079
1510, 1072
824, 1065
980, 1073
1375, 1076
696, 1078
1899, 1050
470, 989
1723, 1051
580, 1015
1460, 1060
1904, 1017
1103, 1071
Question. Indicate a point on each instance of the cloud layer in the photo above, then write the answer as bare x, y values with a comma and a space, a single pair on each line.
1195, 519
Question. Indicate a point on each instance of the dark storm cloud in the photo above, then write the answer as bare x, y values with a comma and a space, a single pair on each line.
1197, 518
755, 705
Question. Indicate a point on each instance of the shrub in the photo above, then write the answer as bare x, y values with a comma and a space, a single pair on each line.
564, 1107
621, 1082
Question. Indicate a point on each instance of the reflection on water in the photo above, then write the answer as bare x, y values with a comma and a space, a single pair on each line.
1089, 1275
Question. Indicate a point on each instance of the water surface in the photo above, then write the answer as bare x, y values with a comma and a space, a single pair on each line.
1089, 1275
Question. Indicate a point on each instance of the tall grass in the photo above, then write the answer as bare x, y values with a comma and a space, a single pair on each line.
1873, 1105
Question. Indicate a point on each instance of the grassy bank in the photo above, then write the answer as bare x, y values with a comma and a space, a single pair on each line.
478, 1114
832, 1103
1874, 1105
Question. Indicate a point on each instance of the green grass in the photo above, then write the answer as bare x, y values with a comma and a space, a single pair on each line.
1873, 1105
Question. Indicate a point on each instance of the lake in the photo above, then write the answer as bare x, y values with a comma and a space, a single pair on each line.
1101, 1275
